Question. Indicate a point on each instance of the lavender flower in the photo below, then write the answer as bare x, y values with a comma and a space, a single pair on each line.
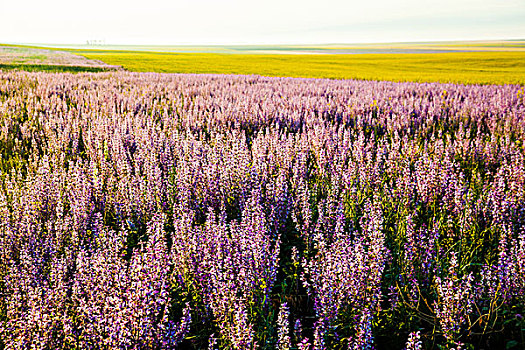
146, 211
414, 341
283, 322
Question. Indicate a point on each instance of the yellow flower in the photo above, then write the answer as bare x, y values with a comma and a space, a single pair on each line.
263, 284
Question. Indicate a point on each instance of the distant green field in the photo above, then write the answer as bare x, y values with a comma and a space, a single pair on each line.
50, 68
456, 67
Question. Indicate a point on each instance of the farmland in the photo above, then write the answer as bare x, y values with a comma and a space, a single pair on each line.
452, 62
47, 60
160, 211
453, 67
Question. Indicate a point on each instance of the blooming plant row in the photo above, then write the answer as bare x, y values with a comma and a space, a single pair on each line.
150, 211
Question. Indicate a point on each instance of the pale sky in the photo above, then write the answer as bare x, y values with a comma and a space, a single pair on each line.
200, 22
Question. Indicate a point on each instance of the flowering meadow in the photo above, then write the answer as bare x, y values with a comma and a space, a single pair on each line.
162, 211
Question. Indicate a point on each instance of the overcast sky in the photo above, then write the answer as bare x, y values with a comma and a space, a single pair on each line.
165, 22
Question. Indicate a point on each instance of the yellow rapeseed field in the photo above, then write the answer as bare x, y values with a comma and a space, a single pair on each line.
456, 67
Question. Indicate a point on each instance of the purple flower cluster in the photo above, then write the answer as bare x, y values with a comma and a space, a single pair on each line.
414, 341
456, 298
162, 211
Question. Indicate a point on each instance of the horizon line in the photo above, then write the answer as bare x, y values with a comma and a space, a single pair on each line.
431, 41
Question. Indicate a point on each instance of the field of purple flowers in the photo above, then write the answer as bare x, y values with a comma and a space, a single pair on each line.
150, 211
